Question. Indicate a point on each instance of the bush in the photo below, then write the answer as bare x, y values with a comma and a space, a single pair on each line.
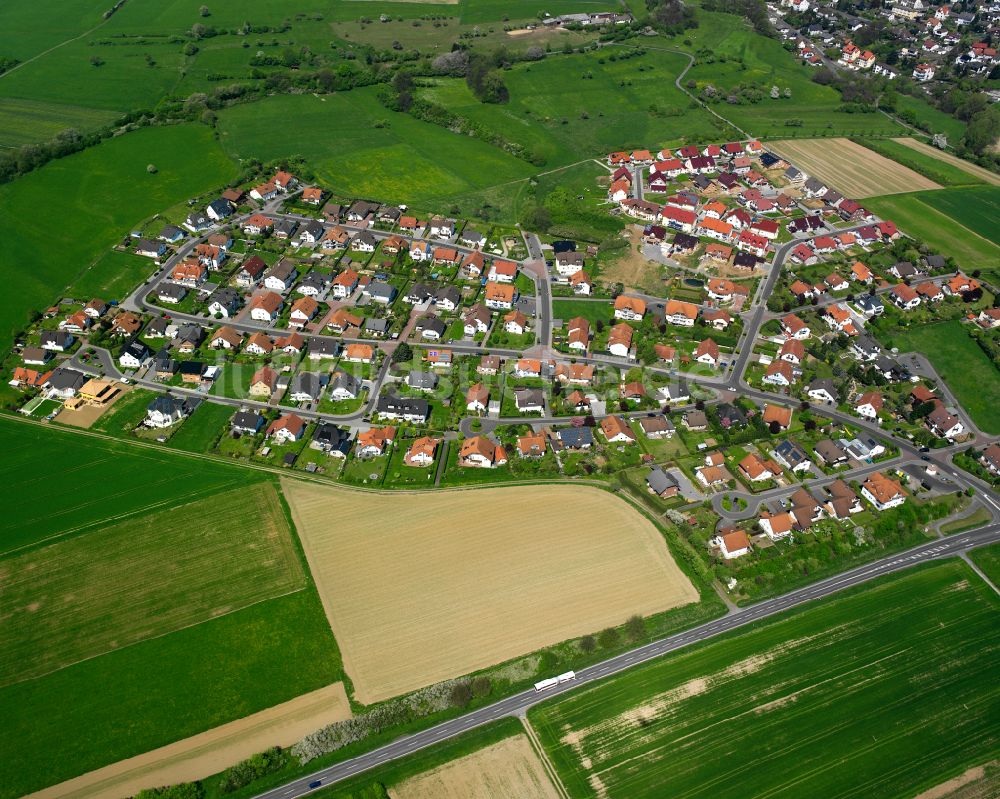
608, 638
185, 790
588, 644
461, 694
253, 768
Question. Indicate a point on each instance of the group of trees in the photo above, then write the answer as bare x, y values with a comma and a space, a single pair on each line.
482, 72
671, 16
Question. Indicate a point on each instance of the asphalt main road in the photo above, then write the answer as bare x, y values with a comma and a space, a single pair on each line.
518, 704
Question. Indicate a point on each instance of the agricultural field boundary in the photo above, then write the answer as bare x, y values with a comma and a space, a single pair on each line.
209, 752
966, 166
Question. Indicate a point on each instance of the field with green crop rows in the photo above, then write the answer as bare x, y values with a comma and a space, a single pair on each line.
880, 693
161, 690
925, 215
24, 121
58, 222
67, 483
83, 596
988, 559
976, 208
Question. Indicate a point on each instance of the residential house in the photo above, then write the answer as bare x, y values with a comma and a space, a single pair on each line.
620, 340
281, 276
286, 428
869, 404
407, 409
265, 307
707, 352
307, 386
500, 296
529, 400
374, 442
617, 431
882, 491
477, 398
165, 411
421, 452
246, 422
630, 308
263, 382
480, 452
662, 483
344, 386
334, 441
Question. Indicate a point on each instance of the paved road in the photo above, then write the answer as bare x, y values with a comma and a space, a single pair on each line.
518, 704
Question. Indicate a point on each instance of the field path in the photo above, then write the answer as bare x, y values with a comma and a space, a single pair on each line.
966, 166
35, 57
211, 751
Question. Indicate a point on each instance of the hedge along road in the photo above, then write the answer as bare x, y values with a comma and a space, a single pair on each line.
518, 704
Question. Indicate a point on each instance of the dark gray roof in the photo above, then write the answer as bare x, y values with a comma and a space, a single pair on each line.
345, 381
63, 378
576, 436
330, 437
310, 383
58, 337
789, 451
434, 324
389, 403
422, 380
660, 481
222, 207
247, 420
448, 293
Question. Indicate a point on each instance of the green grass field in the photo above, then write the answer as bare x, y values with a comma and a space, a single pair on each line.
964, 366
66, 483
161, 690
592, 311
24, 121
988, 559
880, 693
928, 166
112, 276
81, 597
202, 428
931, 118
406, 160
754, 59
925, 215
60, 221
567, 108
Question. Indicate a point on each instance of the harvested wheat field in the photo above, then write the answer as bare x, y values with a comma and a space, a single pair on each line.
509, 769
960, 163
420, 588
209, 752
853, 170
143, 577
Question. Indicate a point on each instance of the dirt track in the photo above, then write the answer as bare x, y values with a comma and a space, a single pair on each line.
855, 171
420, 588
211, 751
